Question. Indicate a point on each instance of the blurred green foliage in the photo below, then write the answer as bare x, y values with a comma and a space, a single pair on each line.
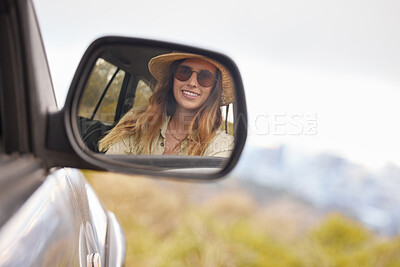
167, 224
165, 227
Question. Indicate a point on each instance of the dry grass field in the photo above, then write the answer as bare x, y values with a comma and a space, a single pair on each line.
169, 223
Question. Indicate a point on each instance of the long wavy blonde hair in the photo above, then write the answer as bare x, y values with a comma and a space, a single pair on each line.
144, 124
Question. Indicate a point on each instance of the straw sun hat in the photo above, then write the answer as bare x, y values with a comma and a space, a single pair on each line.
159, 66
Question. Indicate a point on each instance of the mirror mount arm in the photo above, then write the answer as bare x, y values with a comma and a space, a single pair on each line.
58, 145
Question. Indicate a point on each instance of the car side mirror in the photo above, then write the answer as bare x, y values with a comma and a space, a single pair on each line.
156, 108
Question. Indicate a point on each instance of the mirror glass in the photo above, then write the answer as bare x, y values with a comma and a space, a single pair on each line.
158, 107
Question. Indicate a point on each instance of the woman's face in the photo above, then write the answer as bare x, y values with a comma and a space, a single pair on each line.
191, 94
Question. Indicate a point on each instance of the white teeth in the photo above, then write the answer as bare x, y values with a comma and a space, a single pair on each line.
190, 93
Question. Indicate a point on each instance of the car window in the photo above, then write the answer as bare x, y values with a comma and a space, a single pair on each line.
100, 98
143, 93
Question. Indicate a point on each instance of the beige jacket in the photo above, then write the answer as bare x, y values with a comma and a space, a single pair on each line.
220, 146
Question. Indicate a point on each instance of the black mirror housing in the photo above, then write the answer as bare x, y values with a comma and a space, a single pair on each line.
123, 52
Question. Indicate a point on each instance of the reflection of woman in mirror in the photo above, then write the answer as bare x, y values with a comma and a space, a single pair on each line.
183, 116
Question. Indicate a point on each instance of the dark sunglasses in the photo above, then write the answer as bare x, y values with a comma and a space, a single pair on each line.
205, 78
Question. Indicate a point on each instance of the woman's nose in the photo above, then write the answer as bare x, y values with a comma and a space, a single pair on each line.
193, 79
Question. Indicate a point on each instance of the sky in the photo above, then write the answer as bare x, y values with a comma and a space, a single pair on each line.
319, 76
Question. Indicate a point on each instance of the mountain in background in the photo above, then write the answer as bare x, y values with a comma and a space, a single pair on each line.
328, 182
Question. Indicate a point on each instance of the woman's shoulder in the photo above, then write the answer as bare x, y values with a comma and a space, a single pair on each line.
221, 145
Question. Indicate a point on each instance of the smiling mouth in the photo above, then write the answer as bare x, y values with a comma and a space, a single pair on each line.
191, 94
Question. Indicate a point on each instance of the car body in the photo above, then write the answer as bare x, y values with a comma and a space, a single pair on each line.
49, 217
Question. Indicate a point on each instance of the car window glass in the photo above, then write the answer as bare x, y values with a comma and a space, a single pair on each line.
103, 73
106, 112
143, 93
